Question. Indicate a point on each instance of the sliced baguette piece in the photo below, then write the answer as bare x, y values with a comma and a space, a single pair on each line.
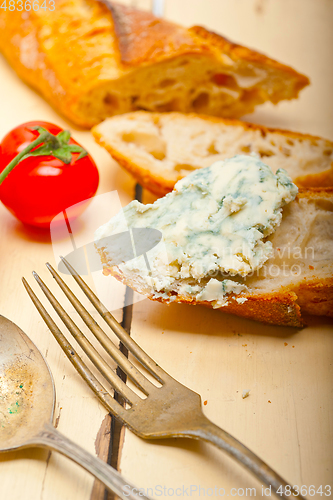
159, 149
296, 280
93, 59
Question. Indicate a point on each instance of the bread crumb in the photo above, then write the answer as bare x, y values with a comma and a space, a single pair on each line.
245, 393
241, 300
285, 343
269, 401
292, 346
205, 402
244, 345
311, 267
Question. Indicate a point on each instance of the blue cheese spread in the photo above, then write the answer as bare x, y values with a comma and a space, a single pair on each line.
213, 224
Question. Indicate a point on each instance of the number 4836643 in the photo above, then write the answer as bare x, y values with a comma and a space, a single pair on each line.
27, 5
304, 490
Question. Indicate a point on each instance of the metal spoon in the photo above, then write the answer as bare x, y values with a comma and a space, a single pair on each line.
27, 399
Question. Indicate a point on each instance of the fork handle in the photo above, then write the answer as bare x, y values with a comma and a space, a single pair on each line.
52, 439
208, 431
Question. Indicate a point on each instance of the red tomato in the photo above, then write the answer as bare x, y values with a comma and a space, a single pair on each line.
41, 187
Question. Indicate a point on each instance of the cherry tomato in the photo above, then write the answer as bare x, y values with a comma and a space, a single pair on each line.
41, 187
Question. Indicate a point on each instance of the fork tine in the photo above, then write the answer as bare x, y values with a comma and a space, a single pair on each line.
128, 342
88, 348
135, 375
108, 401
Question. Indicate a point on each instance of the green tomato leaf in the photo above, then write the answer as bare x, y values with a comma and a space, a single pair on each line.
40, 129
63, 154
46, 144
82, 154
64, 136
44, 150
57, 146
74, 148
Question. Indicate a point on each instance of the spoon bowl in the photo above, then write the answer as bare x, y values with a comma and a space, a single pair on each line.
26, 388
27, 399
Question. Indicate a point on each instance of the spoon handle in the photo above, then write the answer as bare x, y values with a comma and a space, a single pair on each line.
52, 439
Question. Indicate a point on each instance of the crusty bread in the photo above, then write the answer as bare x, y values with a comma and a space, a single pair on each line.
92, 59
158, 149
297, 280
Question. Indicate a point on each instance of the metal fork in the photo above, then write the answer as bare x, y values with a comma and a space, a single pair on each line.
171, 410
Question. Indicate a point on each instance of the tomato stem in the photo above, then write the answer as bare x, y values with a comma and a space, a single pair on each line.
43, 136
54, 145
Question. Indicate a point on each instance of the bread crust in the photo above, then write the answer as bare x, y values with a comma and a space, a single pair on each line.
143, 38
285, 306
276, 309
160, 185
85, 57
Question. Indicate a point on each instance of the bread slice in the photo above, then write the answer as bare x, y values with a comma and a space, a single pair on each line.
158, 149
296, 280
92, 59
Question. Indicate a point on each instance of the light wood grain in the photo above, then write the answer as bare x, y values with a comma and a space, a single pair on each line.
287, 418
31, 475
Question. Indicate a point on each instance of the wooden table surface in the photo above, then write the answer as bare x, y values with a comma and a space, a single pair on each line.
287, 418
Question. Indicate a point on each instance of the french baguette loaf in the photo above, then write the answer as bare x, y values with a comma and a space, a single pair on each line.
159, 149
296, 280
92, 59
